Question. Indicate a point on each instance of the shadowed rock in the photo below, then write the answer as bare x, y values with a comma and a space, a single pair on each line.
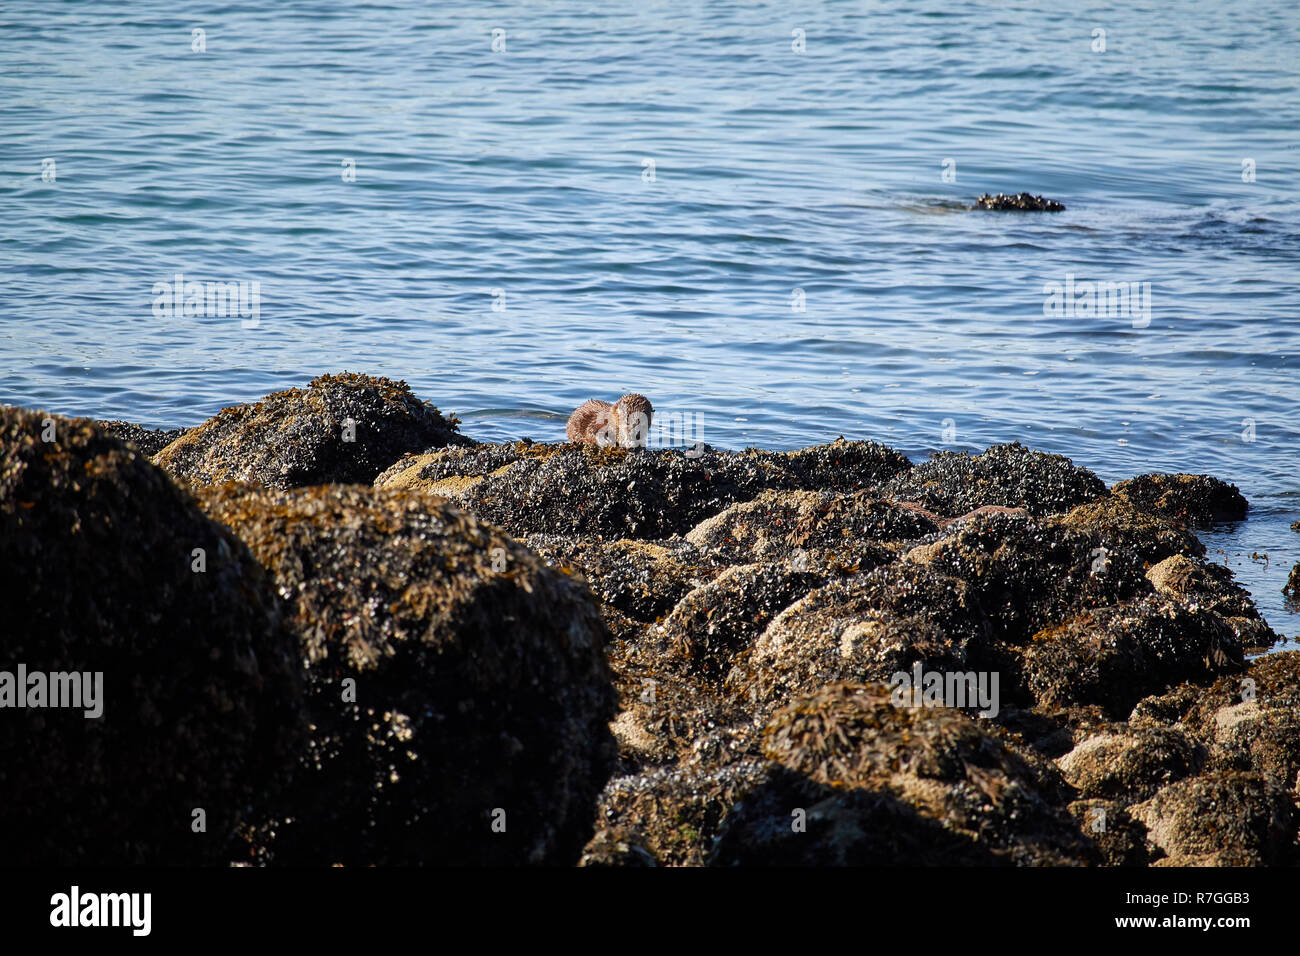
453, 678
106, 566
879, 784
953, 483
1120, 839
1131, 766
1197, 500
341, 428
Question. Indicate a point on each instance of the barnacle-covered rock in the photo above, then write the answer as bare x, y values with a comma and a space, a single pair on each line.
1131, 766
1221, 819
460, 699
954, 483
714, 622
834, 528
1113, 657
106, 567
148, 440
341, 428
1198, 500
865, 628
866, 782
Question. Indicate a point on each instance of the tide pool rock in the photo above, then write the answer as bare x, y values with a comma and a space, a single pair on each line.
107, 567
340, 428
459, 696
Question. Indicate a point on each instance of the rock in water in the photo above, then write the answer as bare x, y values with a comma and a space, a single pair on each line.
341, 428
100, 558
459, 696
1198, 500
1020, 202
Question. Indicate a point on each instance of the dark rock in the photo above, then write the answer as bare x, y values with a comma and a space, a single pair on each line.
833, 528
843, 466
880, 784
451, 470
1197, 500
1292, 587
148, 440
1212, 587
1221, 819
301, 437
1119, 838
953, 483
201, 689
716, 621
479, 683
1113, 657
865, 628
1019, 202
1131, 766
1122, 527
609, 848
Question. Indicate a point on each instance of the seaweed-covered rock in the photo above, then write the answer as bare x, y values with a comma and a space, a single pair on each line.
1212, 586
1292, 587
778, 524
867, 782
148, 440
460, 698
1131, 766
714, 622
642, 579
1019, 202
1198, 500
611, 848
954, 483
341, 428
1221, 819
1120, 840
865, 628
107, 568
1148, 535
1031, 573
1113, 657
454, 469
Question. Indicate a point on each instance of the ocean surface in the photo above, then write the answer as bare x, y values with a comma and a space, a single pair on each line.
754, 213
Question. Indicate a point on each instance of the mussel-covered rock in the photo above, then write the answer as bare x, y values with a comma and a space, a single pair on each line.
954, 483
843, 466
862, 781
1221, 819
1019, 202
148, 440
459, 696
1120, 840
341, 428
1131, 766
110, 575
1113, 657
1198, 500
1211, 586
865, 628
1149, 535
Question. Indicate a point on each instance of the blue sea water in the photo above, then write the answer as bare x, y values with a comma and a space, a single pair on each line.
796, 262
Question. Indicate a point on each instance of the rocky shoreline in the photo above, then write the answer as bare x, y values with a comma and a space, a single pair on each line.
350, 634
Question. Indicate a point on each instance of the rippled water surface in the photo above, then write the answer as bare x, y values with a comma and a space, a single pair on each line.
506, 250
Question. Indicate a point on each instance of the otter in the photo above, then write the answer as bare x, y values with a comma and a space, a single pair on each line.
626, 423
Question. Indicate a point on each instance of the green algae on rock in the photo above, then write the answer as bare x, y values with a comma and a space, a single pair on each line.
1013, 476
106, 566
342, 428
459, 698
1198, 500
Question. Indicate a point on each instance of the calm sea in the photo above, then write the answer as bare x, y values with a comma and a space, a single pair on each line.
753, 212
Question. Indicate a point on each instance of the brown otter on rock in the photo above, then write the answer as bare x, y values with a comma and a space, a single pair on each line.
626, 423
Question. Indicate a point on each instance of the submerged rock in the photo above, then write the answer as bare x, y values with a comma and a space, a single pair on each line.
107, 567
460, 700
148, 440
1020, 202
953, 483
1221, 819
341, 428
1198, 500
861, 781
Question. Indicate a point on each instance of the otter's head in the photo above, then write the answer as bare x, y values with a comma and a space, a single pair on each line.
633, 414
